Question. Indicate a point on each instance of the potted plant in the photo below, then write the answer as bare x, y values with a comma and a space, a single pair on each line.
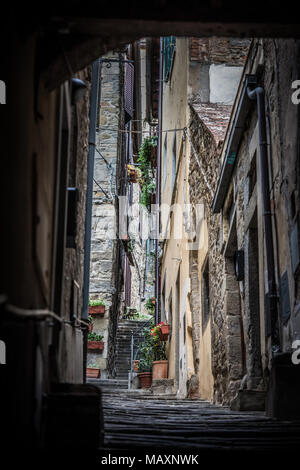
145, 354
160, 362
95, 341
145, 373
92, 371
163, 330
96, 307
134, 174
150, 305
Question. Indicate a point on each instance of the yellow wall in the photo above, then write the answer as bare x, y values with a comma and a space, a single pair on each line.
175, 266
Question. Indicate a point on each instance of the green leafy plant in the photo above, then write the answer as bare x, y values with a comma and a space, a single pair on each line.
159, 347
131, 245
147, 180
150, 305
92, 365
151, 349
94, 337
90, 318
95, 303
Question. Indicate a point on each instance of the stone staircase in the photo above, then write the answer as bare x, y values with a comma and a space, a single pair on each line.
125, 329
123, 357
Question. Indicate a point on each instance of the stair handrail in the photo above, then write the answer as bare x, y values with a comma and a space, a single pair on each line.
132, 355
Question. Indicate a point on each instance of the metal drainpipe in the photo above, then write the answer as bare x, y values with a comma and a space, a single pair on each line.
158, 182
89, 192
258, 94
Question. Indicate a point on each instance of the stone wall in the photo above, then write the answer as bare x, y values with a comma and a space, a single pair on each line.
71, 341
104, 243
216, 66
205, 144
215, 50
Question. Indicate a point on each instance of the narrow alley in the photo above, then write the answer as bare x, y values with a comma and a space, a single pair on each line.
150, 269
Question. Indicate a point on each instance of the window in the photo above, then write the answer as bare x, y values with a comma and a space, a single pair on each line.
165, 158
169, 51
170, 315
205, 294
163, 302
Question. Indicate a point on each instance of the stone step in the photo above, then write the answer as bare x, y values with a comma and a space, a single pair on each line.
110, 383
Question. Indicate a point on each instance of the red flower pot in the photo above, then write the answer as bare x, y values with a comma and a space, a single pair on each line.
160, 370
93, 373
96, 345
97, 310
90, 326
164, 332
145, 379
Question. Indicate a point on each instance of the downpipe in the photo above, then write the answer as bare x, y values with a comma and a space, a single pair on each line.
89, 203
258, 94
157, 201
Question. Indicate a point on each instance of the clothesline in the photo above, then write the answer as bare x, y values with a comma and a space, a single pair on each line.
140, 132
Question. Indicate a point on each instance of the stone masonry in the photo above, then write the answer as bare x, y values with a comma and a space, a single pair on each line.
104, 242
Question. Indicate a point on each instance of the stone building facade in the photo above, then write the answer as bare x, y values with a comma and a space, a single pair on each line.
251, 272
197, 101
258, 219
104, 240
122, 267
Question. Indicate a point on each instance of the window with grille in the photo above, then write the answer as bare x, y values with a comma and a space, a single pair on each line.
169, 51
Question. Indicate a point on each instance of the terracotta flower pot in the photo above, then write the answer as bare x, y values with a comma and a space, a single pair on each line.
145, 379
98, 345
93, 373
97, 310
164, 332
132, 175
135, 365
160, 370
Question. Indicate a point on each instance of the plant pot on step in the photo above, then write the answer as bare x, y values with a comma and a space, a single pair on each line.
97, 310
96, 345
93, 373
160, 370
164, 332
145, 379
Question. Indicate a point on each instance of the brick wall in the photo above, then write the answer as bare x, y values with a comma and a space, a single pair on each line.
219, 50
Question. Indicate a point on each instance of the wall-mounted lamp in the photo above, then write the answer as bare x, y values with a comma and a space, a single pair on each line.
78, 90
239, 265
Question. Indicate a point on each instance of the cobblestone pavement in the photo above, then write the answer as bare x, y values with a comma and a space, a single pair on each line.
136, 421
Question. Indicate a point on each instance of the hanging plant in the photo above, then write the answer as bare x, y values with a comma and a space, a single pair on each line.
134, 173
147, 181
